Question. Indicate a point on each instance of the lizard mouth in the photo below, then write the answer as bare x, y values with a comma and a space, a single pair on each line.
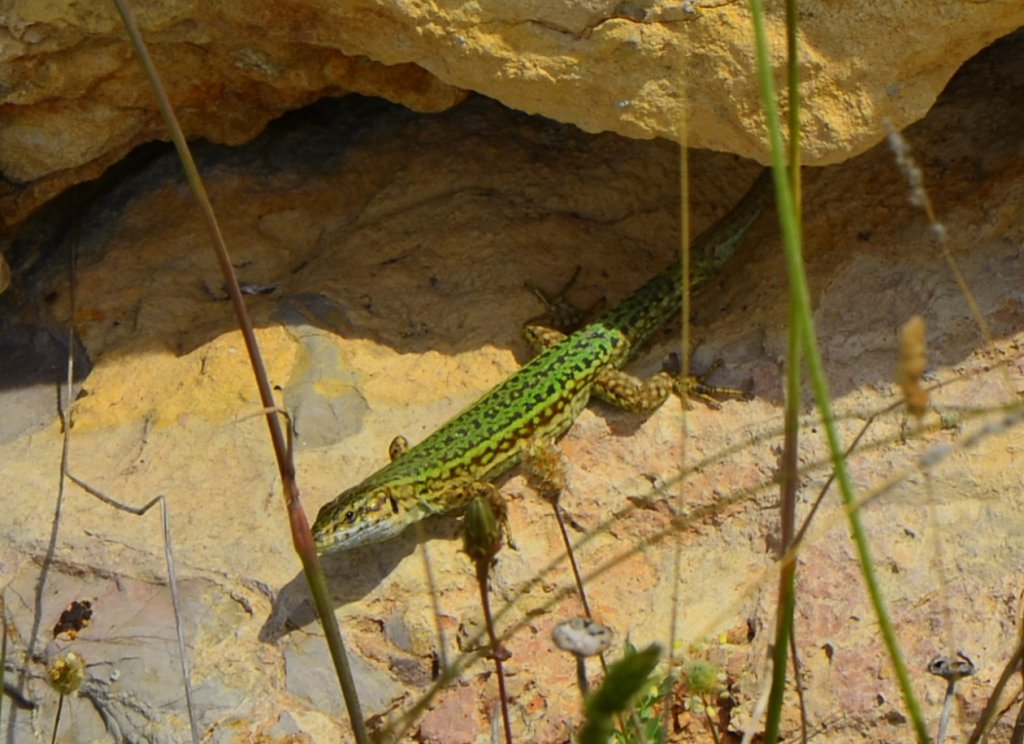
333, 540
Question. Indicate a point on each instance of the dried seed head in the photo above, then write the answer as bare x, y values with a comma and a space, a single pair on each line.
482, 532
913, 361
951, 669
545, 468
582, 636
67, 672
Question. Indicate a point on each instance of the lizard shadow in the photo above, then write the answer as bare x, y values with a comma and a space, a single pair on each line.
355, 573
351, 575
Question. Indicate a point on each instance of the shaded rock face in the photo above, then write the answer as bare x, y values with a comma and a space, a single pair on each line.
388, 253
74, 100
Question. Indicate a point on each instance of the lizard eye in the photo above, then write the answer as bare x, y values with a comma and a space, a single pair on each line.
350, 516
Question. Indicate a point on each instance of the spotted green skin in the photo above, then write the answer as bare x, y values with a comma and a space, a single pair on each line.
539, 402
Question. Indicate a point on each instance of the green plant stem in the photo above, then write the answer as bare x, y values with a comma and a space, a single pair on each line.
790, 465
793, 91
710, 721
800, 297
301, 536
787, 574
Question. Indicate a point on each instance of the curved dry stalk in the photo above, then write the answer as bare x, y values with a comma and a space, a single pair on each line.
301, 535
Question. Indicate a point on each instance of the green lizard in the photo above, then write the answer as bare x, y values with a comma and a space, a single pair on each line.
539, 402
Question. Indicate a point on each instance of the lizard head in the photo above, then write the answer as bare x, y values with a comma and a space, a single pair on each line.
357, 517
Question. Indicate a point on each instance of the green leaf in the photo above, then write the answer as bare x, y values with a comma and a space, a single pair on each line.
625, 678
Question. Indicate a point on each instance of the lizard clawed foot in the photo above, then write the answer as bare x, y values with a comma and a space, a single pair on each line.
695, 387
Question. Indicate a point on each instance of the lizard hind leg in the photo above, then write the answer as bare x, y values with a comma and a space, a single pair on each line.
635, 395
630, 393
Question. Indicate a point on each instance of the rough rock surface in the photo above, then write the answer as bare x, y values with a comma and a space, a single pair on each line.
394, 248
73, 99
